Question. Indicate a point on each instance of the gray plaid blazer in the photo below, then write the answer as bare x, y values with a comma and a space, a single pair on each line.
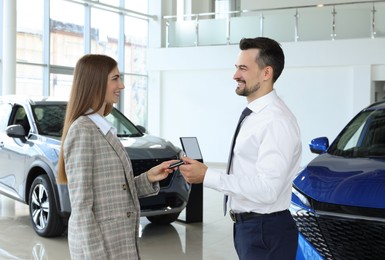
105, 209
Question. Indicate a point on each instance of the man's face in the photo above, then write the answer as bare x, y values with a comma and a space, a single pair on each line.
248, 74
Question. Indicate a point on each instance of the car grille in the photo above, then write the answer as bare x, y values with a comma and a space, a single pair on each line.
342, 238
140, 166
161, 202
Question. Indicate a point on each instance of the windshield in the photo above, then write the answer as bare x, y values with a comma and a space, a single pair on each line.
49, 120
124, 126
364, 136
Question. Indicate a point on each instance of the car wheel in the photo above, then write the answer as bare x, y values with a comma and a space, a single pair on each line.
163, 219
42, 209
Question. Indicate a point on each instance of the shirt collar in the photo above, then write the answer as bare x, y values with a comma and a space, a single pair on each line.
260, 103
102, 123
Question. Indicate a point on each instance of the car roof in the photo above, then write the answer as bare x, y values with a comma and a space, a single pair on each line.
377, 105
22, 99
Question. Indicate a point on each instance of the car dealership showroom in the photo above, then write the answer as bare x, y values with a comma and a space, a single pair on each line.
179, 63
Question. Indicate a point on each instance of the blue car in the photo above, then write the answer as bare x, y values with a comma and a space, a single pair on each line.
338, 199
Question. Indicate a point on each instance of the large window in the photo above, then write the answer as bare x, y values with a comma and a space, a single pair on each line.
106, 26
137, 6
60, 84
29, 47
30, 31
135, 45
50, 40
66, 32
135, 93
29, 80
111, 2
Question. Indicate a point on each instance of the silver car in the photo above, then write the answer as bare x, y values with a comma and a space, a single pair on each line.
30, 133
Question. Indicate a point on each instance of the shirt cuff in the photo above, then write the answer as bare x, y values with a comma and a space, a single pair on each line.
212, 179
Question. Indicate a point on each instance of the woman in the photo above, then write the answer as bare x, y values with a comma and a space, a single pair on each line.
103, 192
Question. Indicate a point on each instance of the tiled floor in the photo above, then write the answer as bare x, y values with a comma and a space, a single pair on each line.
209, 240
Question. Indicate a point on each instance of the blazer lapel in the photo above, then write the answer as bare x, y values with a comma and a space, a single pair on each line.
121, 152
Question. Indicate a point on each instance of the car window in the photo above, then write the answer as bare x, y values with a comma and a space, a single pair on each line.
20, 117
49, 118
124, 126
5, 111
364, 136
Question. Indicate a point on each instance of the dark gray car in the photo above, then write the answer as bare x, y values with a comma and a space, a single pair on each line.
30, 133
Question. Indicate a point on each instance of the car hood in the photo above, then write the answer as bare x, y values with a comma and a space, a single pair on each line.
149, 147
145, 147
344, 181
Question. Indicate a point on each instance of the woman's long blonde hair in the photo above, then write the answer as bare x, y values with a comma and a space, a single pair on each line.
88, 91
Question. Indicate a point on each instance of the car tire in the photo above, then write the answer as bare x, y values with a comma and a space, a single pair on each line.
164, 219
42, 209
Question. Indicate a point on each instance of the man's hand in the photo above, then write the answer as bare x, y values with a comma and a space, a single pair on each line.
192, 170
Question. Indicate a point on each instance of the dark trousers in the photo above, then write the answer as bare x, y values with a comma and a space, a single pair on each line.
267, 237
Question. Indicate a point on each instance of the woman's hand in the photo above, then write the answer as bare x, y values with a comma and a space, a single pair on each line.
161, 171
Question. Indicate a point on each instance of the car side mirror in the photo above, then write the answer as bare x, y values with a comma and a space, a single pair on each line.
319, 145
141, 128
16, 131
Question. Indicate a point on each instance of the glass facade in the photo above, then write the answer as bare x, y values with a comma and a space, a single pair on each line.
66, 32
105, 39
29, 79
29, 44
51, 38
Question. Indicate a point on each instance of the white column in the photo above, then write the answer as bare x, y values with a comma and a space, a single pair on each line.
154, 96
1, 48
9, 47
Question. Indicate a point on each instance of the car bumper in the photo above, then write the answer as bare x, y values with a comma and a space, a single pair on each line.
170, 199
330, 235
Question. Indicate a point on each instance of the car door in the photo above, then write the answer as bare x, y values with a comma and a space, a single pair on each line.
5, 111
12, 157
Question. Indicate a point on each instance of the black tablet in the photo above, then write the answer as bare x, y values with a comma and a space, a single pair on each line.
191, 148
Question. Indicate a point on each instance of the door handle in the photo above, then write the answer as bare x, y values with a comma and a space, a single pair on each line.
1, 144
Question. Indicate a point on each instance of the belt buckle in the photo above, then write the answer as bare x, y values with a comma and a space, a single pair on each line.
232, 216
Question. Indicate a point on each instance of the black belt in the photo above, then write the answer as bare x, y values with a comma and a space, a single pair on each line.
240, 217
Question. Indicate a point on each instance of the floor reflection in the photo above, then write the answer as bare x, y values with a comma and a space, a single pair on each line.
211, 239
174, 241
18, 240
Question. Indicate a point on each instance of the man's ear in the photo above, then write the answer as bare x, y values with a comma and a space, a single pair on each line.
268, 72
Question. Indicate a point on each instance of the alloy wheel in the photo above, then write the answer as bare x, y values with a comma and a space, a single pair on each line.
40, 206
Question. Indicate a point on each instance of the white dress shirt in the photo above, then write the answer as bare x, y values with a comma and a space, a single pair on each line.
103, 124
266, 159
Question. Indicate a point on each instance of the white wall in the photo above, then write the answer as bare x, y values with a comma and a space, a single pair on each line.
325, 83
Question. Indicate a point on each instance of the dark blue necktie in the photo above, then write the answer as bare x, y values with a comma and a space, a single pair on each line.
244, 114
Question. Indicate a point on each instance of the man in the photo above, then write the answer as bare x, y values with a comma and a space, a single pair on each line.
263, 162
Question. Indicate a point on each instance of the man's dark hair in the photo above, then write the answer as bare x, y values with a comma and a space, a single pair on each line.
270, 53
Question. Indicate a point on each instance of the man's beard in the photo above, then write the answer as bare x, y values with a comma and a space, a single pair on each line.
246, 91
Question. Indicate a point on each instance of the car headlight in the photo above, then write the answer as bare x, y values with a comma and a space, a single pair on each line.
301, 197
181, 154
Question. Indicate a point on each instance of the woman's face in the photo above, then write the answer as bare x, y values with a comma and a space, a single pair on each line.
114, 86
